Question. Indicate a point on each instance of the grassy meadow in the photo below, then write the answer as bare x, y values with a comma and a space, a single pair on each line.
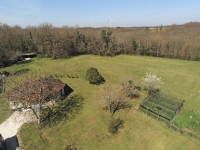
4, 109
88, 130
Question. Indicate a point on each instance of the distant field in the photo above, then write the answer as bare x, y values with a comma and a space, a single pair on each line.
88, 130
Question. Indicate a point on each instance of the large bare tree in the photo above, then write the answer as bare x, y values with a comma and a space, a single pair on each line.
35, 93
129, 87
113, 98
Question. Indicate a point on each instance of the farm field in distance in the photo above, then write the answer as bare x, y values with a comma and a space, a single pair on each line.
88, 130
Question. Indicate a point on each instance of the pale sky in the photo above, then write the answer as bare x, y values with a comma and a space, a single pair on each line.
124, 13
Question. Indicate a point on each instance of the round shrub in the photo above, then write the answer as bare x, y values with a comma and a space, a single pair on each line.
94, 77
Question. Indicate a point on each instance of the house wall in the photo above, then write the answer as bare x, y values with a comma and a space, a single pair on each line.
60, 95
63, 91
16, 105
2, 82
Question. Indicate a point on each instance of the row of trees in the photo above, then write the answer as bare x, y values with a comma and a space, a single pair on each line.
113, 97
176, 41
117, 97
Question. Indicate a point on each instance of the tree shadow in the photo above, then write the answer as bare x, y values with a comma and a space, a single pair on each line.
20, 72
116, 106
12, 143
63, 110
24, 62
138, 88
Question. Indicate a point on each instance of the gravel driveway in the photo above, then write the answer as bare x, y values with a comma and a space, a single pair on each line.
10, 127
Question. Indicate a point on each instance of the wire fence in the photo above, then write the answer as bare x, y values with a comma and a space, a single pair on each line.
183, 131
164, 108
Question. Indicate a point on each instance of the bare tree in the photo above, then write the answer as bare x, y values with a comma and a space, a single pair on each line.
34, 93
129, 87
113, 99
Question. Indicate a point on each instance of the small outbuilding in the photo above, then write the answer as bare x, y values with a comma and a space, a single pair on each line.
28, 56
36, 91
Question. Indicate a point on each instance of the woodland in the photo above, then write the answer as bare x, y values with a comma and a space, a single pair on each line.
46, 40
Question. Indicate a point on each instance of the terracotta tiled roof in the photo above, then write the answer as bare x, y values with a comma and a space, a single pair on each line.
35, 89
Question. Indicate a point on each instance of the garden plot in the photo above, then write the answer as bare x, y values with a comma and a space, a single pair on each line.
162, 107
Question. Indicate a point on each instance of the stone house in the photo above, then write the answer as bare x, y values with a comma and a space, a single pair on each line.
35, 92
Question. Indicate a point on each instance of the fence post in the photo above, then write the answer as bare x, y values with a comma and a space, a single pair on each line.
158, 116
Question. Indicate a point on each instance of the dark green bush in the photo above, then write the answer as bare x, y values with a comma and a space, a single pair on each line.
115, 125
93, 75
5, 62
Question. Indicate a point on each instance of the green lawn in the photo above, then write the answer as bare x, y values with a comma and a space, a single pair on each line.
88, 130
5, 112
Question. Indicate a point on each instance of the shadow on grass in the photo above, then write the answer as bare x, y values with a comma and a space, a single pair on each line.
63, 110
12, 143
24, 62
22, 71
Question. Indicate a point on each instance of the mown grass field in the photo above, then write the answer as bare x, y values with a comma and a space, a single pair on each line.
88, 130
5, 112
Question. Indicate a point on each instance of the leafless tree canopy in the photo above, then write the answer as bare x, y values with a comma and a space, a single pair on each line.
35, 92
113, 99
129, 87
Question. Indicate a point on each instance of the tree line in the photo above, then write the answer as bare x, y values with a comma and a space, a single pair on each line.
175, 41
